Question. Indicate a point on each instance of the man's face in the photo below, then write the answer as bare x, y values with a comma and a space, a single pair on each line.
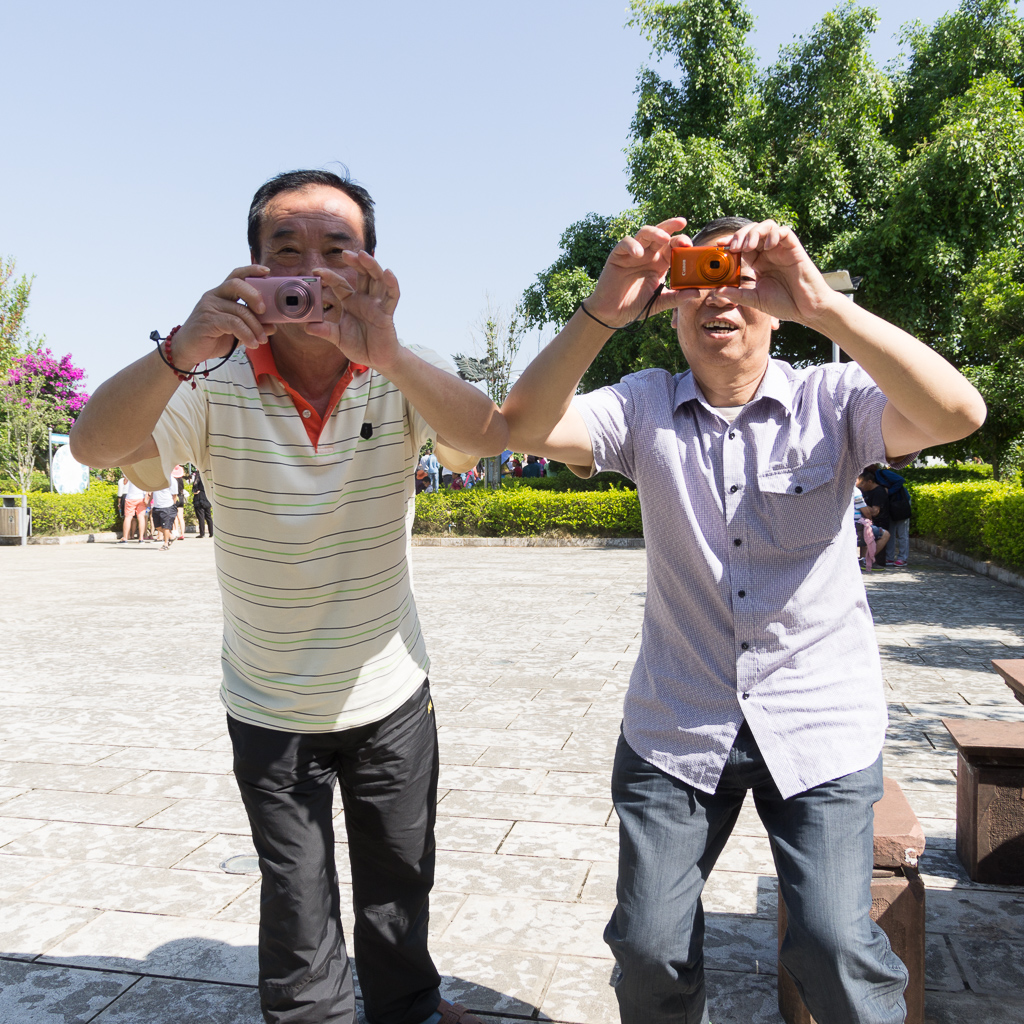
714, 332
306, 229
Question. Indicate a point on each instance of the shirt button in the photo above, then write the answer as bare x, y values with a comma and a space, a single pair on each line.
745, 645
734, 488
305, 414
737, 542
799, 490
745, 696
743, 593
732, 434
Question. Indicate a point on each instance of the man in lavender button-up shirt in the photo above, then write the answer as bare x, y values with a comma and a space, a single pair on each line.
758, 669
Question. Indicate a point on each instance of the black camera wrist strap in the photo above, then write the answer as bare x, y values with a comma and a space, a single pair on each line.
636, 323
185, 375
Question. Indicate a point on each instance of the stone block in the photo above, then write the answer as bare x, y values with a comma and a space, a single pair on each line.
989, 804
1012, 671
899, 838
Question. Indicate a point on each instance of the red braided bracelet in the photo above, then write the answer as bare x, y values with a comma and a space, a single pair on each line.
181, 374
191, 375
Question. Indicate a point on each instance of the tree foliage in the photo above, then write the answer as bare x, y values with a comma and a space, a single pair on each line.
500, 336
40, 393
14, 296
910, 176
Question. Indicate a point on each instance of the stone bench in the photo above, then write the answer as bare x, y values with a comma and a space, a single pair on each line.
1012, 671
989, 807
897, 904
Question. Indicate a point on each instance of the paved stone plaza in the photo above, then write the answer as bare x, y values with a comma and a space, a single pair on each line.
117, 806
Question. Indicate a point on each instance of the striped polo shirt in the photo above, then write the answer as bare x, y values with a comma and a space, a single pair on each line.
314, 523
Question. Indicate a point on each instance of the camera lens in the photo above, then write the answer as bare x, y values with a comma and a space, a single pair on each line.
714, 266
293, 299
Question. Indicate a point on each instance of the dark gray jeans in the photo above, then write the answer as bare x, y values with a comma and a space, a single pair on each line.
670, 836
387, 772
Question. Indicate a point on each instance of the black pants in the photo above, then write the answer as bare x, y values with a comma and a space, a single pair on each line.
202, 511
388, 777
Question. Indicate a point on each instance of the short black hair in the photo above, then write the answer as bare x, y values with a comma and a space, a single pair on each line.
297, 181
720, 227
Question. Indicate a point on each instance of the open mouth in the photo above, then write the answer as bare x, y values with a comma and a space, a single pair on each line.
719, 328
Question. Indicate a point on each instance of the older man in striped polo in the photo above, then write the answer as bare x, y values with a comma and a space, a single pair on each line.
309, 436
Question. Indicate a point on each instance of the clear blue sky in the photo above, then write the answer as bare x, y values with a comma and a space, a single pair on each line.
137, 133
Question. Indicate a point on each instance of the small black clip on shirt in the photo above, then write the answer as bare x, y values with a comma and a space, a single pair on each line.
367, 431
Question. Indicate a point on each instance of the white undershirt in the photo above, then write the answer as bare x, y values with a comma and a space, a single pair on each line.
728, 412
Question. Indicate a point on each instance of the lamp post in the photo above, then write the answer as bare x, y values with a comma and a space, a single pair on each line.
840, 281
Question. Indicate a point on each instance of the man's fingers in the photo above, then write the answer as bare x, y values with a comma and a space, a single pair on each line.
363, 262
235, 288
391, 292
672, 225
334, 280
237, 320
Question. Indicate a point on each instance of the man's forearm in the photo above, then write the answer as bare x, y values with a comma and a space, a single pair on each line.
119, 418
543, 393
919, 384
465, 417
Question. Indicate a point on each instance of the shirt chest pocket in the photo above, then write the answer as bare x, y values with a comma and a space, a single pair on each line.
800, 505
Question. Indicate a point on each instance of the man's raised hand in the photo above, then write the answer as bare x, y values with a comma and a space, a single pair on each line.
360, 320
634, 269
219, 317
787, 284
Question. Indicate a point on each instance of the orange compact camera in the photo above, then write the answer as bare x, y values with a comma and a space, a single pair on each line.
704, 266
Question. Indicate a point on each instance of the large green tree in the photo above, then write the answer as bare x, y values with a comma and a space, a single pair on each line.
905, 176
992, 353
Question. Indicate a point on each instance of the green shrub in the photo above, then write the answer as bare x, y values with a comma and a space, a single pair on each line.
566, 480
93, 511
526, 511
980, 518
956, 471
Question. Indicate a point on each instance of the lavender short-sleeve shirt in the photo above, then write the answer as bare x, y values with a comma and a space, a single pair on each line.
755, 606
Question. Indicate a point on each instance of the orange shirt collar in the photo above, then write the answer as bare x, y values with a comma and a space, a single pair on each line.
264, 365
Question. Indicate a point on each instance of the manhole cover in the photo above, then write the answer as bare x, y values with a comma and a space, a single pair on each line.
241, 865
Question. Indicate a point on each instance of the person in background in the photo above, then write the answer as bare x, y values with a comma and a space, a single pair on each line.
876, 508
871, 539
122, 487
434, 469
178, 480
135, 502
532, 467
422, 478
164, 512
201, 504
899, 512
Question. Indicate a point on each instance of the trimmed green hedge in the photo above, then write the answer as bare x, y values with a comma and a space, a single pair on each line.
529, 512
567, 480
94, 511
967, 471
983, 519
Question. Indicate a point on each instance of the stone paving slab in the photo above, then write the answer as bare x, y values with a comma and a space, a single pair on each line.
117, 805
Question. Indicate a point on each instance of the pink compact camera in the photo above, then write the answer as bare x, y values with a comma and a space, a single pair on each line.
289, 300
